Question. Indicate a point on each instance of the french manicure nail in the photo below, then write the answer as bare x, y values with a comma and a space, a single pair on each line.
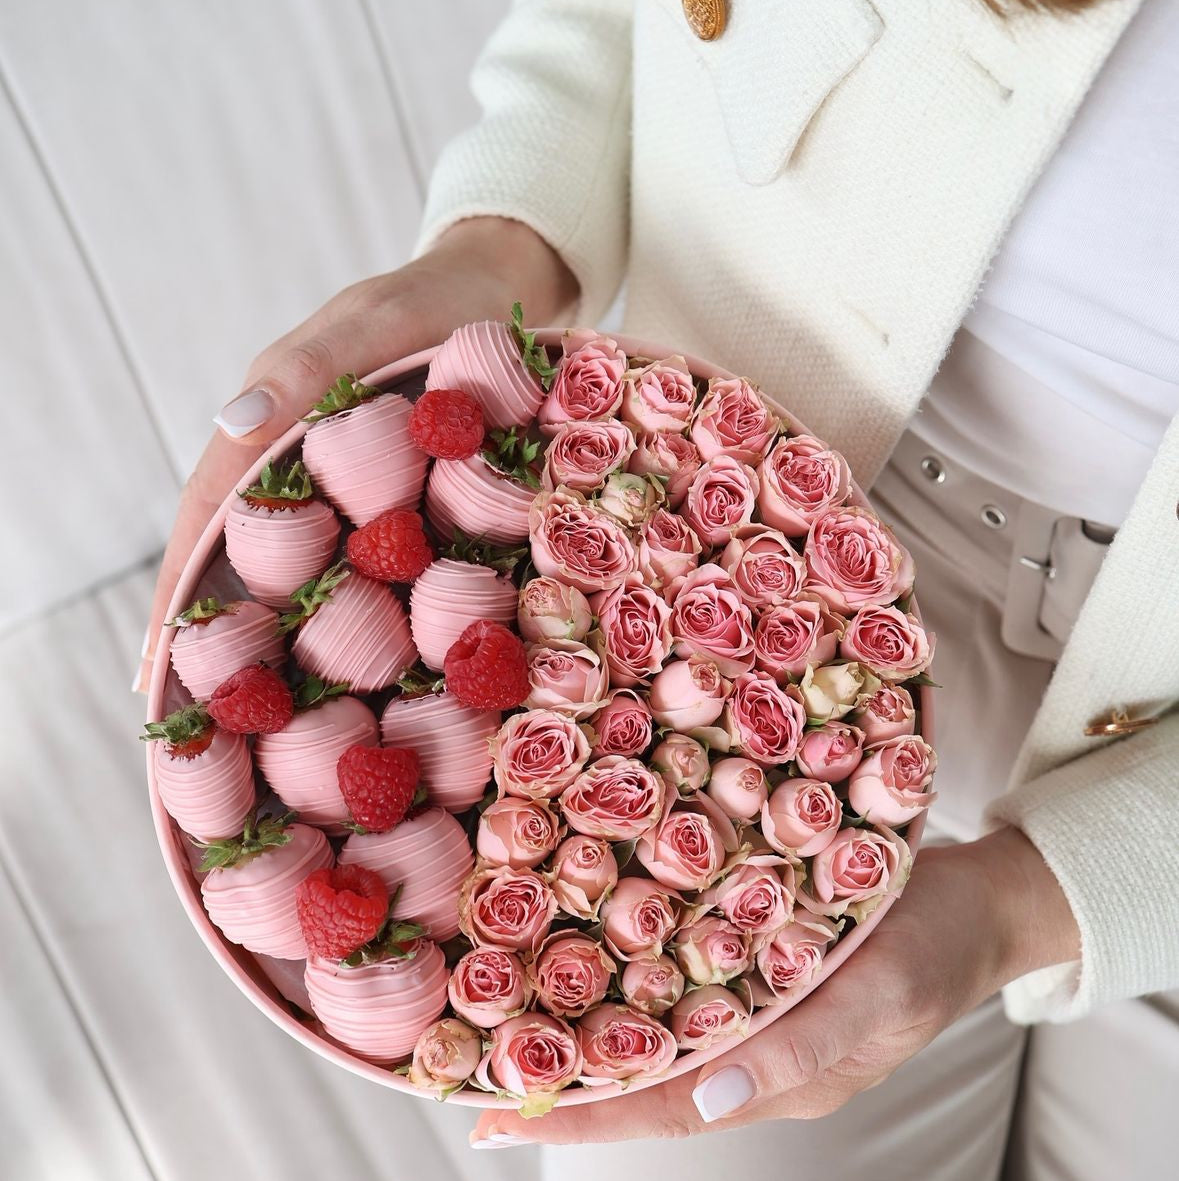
508, 1140
723, 1093
146, 641
246, 413
499, 1140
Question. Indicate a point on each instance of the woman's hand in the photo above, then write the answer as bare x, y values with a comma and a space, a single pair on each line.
475, 272
972, 918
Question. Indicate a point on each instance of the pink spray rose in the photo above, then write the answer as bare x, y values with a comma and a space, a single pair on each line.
570, 973
533, 1054
721, 499
668, 549
631, 500
686, 850
652, 984
635, 624
623, 726
588, 384
688, 694
793, 957
583, 871
888, 713
801, 817
830, 753
508, 908
831, 691
891, 785
733, 420
739, 787
889, 642
854, 561
445, 1056
550, 610
856, 872
789, 638
708, 1015
582, 455
573, 542
615, 798
764, 722
567, 677
757, 897
764, 567
537, 754
618, 1043
659, 396
638, 917
709, 618
672, 457
712, 950
488, 986
682, 762
800, 479
516, 832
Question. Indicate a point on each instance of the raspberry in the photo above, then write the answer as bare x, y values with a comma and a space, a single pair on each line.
255, 700
486, 667
340, 909
378, 784
391, 547
447, 424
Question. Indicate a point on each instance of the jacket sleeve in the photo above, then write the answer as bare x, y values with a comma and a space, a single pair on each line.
552, 149
1106, 824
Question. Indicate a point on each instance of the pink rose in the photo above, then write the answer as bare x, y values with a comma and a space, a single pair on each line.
578, 545
712, 950
801, 479
636, 630
888, 713
709, 618
511, 909
538, 754
567, 677
588, 384
659, 396
488, 986
764, 567
855, 562
890, 785
583, 871
582, 454
550, 610
733, 420
757, 897
888, 641
570, 974
738, 787
708, 1015
618, 1043
721, 499
833, 690
668, 549
793, 957
789, 638
638, 917
445, 1056
682, 762
630, 499
533, 1054
856, 872
623, 726
686, 850
516, 832
672, 457
764, 722
688, 694
652, 985
614, 798
801, 817
830, 753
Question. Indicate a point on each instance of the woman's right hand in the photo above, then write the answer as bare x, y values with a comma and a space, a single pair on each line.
477, 269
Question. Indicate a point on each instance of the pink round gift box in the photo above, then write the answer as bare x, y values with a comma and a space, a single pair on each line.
255, 976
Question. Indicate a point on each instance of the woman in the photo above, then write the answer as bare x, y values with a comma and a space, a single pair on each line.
811, 193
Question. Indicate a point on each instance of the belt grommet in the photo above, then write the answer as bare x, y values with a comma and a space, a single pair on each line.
932, 470
993, 516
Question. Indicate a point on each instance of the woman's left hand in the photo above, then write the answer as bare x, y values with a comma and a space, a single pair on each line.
972, 918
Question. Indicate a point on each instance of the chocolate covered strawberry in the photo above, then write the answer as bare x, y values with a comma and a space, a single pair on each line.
216, 639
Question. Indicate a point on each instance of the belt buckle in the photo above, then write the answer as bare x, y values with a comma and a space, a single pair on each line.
1031, 567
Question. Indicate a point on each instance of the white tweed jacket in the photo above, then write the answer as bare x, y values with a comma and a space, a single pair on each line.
814, 198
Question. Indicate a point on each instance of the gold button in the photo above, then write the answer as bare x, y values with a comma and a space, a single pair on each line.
1116, 724
707, 18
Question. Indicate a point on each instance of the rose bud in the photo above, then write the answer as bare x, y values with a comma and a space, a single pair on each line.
708, 1015
550, 610
856, 872
652, 984
516, 832
834, 690
506, 908
615, 798
588, 382
764, 721
570, 974
630, 499
618, 1043
578, 545
721, 499
801, 479
789, 638
566, 676
709, 618
757, 897
682, 762
488, 986
889, 786
674, 458
583, 871
668, 549
638, 917
890, 642
659, 397
623, 726
801, 817
635, 624
687, 848
888, 713
733, 420
764, 567
712, 950
792, 958
536, 755
582, 455
688, 694
445, 1056
739, 787
830, 753
854, 561
533, 1054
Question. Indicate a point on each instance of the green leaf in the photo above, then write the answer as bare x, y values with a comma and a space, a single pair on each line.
346, 394
420, 682
538, 1105
288, 482
478, 551
509, 453
180, 728
311, 596
924, 679
315, 691
201, 612
533, 355
256, 837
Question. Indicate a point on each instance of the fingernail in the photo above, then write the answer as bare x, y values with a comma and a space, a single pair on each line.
723, 1093
146, 641
247, 412
499, 1140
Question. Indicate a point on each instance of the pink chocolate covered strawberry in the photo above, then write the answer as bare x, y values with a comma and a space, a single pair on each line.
216, 639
